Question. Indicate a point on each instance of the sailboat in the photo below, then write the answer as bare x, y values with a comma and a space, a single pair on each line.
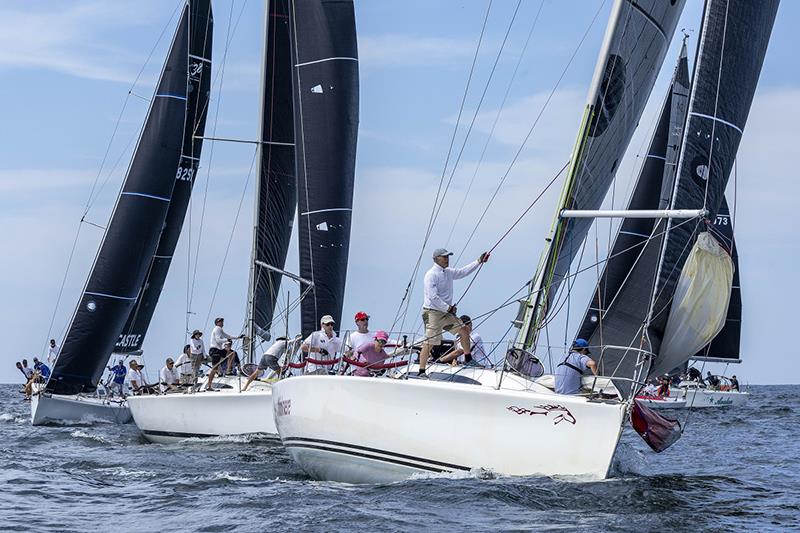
116, 305
306, 161
516, 424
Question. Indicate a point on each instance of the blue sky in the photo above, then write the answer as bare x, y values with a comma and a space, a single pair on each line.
67, 67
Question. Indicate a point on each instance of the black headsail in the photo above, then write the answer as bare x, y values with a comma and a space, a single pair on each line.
201, 26
325, 56
132, 235
733, 44
276, 191
621, 302
725, 348
636, 41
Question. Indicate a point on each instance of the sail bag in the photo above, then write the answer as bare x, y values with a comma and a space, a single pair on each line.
658, 432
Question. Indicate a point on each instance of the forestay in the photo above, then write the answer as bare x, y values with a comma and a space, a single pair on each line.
201, 26
325, 56
636, 41
132, 235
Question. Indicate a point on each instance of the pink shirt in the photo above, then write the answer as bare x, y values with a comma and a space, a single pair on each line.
368, 354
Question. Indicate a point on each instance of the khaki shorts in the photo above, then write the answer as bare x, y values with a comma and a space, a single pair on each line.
435, 322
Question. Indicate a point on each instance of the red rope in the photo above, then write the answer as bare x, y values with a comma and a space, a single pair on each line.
322, 361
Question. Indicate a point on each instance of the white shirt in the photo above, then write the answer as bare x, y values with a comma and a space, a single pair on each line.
52, 353
135, 375
169, 376
218, 337
320, 340
197, 346
28, 371
439, 285
478, 352
184, 364
356, 339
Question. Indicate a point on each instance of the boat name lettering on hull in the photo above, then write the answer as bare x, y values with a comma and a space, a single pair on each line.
563, 414
283, 407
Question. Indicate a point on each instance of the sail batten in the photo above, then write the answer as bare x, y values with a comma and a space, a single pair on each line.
132, 235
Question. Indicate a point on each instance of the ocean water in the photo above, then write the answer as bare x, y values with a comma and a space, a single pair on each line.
733, 469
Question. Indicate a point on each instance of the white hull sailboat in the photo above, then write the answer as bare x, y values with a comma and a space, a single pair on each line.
669, 300
704, 397
373, 430
59, 408
223, 412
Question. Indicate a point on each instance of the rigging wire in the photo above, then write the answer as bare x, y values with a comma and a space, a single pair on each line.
230, 31
494, 124
230, 239
90, 200
405, 300
530, 131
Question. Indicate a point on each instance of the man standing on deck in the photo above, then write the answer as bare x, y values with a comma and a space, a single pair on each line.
217, 349
118, 381
321, 345
52, 352
568, 373
438, 311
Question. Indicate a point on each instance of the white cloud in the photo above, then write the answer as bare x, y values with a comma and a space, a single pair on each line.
62, 37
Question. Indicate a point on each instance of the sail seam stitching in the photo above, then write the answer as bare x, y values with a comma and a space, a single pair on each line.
110, 295
326, 210
145, 196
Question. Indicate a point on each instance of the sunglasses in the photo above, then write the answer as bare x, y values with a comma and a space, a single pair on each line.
328, 324
381, 341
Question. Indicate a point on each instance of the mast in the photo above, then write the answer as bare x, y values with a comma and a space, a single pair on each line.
636, 41
132, 235
325, 59
201, 25
276, 186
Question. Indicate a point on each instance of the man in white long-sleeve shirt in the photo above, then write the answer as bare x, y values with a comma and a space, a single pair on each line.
438, 311
217, 348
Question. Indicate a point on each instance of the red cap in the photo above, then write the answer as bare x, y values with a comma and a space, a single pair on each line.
361, 315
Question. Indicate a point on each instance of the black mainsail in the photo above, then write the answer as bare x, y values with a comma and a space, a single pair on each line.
201, 26
276, 190
325, 58
132, 235
636, 41
732, 47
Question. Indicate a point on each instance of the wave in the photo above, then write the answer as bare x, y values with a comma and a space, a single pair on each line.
8, 417
80, 434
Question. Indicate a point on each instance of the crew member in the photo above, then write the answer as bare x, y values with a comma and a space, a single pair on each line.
568, 373
438, 311
361, 335
479, 357
372, 353
168, 376
323, 344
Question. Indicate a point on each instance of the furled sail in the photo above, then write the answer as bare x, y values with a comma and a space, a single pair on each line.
201, 25
617, 315
276, 196
325, 56
725, 346
636, 41
132, 235
732, 47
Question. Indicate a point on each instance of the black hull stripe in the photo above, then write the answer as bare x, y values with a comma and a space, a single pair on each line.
365, 451
177, 434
